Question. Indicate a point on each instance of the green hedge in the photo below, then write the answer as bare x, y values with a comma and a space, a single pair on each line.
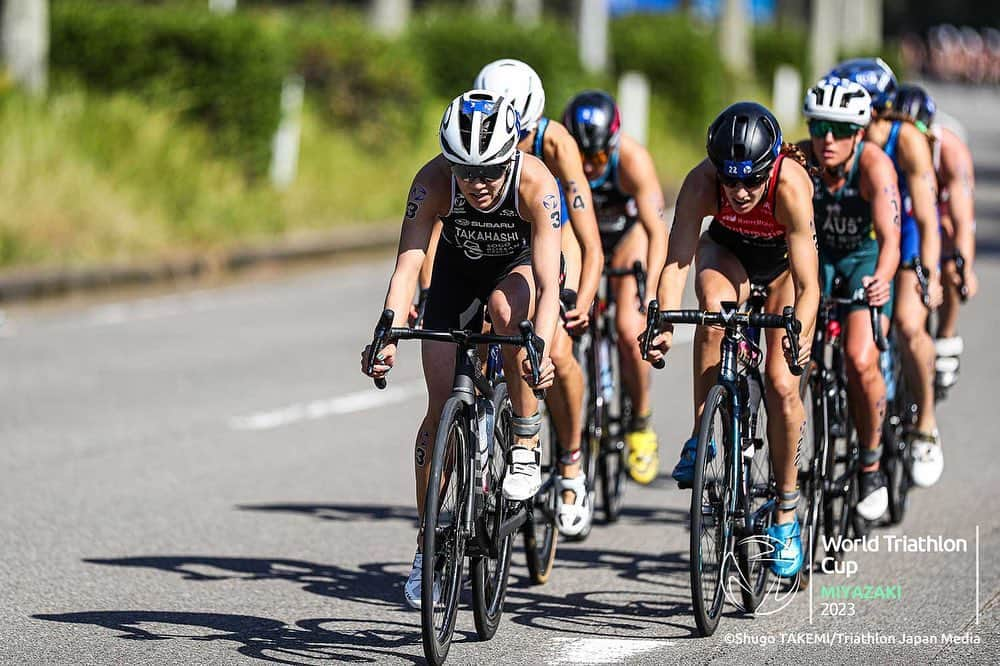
371, 86
774, 46
681, 60
224, 71
454, 47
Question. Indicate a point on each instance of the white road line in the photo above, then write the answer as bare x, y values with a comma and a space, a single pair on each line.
602, 650
320, 409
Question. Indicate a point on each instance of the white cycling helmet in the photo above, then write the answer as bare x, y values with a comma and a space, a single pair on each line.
839, 100
518, 81
479, 127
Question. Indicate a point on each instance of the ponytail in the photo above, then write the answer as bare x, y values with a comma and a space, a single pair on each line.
793, 152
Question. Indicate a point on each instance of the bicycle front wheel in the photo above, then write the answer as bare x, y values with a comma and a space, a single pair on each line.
489, 573
812, 462
712, 520
443, 540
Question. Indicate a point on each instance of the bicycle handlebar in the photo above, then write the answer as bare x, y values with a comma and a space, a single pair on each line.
730, 318
385, 332
874, 313
636, 270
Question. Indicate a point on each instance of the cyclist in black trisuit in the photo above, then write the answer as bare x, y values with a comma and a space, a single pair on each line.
499, 210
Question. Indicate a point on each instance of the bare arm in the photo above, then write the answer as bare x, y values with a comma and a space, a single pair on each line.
958, 183
795, 210
426, 201
427, 268
697, 199
917, 163
539, 205
562, 154
880, 189
639, 177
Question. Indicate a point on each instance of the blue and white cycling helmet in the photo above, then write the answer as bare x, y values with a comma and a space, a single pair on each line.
872, 73
479, 128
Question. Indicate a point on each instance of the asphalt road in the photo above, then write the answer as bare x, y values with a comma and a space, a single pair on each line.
205, 478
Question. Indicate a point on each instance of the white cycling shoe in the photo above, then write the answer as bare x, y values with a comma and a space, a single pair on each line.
524, 474
573, 519
927, 459
947, 362
413, 588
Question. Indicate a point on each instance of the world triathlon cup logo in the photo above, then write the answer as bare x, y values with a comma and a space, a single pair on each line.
749, 584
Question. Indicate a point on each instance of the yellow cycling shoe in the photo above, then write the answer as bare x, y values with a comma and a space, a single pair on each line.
643, 455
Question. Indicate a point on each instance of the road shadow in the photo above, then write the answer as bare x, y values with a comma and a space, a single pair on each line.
341, 512
305, 642
372, 583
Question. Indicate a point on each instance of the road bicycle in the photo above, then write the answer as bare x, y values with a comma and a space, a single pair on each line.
733, 494
830, 459
609, 408
465, 512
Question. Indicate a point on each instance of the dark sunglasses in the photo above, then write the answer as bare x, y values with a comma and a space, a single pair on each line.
819, 128
598, 159
486, 172
750, 181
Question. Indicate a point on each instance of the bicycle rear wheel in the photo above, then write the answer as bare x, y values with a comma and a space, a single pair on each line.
613, 459
754, 552
712, 521
490, 572
443, 541
540, 531
841, 486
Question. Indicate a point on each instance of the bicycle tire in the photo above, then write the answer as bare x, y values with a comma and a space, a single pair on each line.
708, 593
540, 532
759, 476
613, 471
896, 448
490, 573
841, 484
443, 541
812, 466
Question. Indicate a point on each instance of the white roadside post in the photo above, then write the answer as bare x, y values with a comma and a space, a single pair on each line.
824, 31
633, 102
787, 96
389, 17
593, 35
285, 146
222, 6
528, 12
25, 37
734, 36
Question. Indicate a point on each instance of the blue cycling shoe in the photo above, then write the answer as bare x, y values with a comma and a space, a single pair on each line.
683, 472
788, 556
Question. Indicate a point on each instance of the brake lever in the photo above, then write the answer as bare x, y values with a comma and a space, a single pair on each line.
792, 329
534, 346
652, 323
379, 339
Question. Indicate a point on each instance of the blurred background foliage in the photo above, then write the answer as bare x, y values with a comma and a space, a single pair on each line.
156, 133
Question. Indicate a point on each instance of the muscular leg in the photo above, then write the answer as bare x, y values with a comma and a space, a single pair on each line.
439, 369
865, 384
720, 277
786, 417
565, 401
917, 347
948, 312
512, 302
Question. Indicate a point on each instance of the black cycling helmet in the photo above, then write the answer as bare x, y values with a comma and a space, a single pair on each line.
593, 119
744, 141
913, 101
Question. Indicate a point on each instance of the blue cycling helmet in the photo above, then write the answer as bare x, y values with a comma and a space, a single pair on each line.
872, 73
915, 102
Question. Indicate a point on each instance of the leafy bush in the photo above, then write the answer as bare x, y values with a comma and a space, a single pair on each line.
680, 59
369, 85
454, 47
785, 46
224, 71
